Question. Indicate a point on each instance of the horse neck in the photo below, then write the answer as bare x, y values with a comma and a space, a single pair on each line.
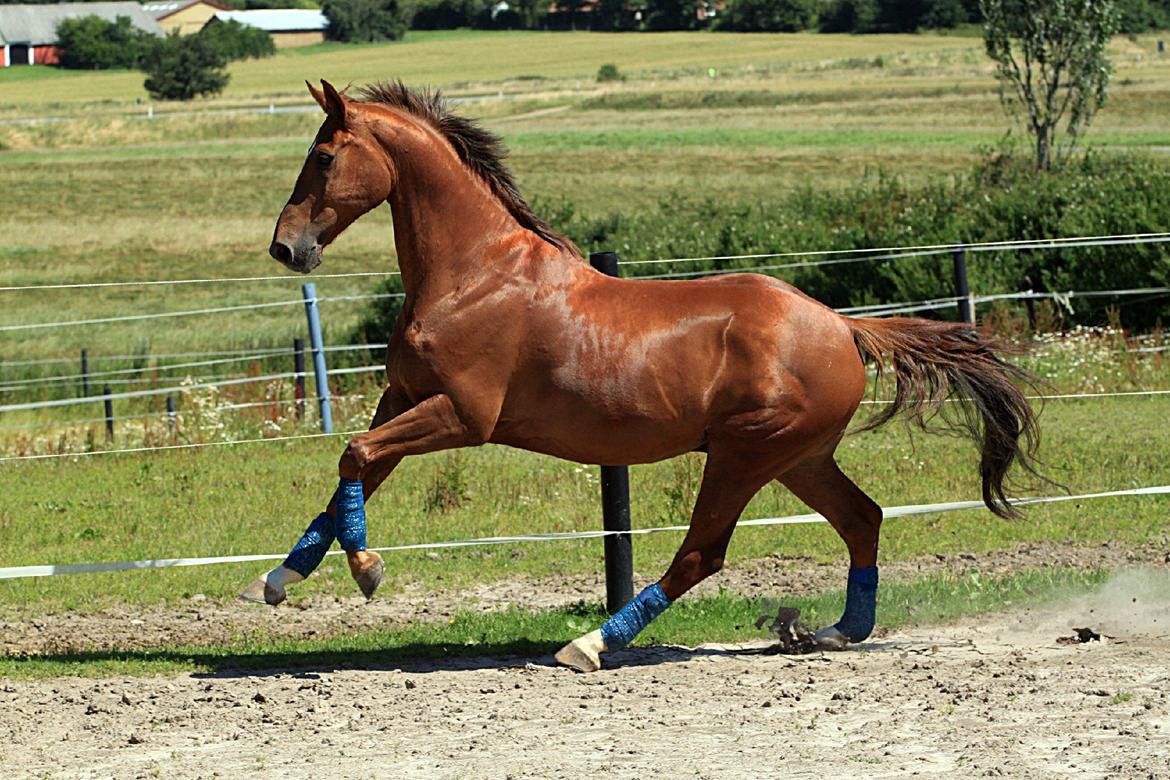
446, 218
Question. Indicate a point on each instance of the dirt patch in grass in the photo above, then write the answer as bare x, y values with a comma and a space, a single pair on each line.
203, 622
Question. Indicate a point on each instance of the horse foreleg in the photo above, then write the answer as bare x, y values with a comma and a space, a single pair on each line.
365, 567
728, 484
857, 520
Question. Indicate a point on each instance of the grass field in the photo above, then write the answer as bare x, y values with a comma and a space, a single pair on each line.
103, 197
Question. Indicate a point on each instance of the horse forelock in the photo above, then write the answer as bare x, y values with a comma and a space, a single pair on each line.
479, 149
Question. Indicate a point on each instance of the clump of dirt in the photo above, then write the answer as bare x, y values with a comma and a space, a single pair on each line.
791, 635
1080, 636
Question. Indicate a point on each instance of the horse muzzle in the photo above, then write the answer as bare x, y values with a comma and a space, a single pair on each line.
300, 257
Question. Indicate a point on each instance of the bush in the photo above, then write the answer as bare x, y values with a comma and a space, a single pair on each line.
92, 43
358, 21
609, 72
236, 41
183, 68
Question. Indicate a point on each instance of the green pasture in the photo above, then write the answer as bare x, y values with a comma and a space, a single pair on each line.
257, 498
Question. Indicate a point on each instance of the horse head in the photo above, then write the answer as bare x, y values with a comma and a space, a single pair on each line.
346, 174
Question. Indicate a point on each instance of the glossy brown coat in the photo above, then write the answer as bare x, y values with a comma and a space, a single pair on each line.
508, 336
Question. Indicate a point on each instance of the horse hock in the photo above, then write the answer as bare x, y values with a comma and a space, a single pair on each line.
584, 653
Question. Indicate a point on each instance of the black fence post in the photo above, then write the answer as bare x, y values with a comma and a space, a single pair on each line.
109, 404
615, 502
172, 414
85, 373
299, 380
1029, 303
962, 289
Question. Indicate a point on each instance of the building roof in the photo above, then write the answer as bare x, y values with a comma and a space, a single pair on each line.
278, 19
161, 9
36, 25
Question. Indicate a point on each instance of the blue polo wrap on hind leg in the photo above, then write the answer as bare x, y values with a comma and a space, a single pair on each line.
310, 550
860, 604
350, 525
621, 628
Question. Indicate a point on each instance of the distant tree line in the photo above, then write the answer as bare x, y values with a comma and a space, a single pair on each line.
854, 16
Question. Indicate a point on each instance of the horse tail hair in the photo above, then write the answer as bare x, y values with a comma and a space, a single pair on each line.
951, 373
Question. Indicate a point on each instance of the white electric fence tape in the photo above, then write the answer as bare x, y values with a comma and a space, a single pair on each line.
17, 572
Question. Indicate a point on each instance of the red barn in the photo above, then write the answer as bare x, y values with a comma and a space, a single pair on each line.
28, 33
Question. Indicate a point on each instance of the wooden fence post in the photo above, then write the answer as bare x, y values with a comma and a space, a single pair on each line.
299, 380
962, 290
615, 502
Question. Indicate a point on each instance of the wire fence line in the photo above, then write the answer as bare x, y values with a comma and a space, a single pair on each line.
57, 455
245, 354
178, 389
907, 510
194, 312
862, 255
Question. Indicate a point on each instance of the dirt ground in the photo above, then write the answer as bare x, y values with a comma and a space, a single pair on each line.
201, 621
996, 697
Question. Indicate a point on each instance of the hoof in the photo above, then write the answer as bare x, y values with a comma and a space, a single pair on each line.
583, 653
261, 592
367, 569
831, 639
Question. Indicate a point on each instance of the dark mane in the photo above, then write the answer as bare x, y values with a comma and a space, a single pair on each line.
479, 149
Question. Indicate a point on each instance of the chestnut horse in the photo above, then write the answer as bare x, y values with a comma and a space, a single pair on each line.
507, 336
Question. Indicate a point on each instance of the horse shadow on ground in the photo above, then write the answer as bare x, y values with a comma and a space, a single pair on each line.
422, 658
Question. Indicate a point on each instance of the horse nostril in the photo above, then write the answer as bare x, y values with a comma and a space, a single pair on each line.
281, 251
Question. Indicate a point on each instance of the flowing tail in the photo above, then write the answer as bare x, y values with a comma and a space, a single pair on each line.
950, 372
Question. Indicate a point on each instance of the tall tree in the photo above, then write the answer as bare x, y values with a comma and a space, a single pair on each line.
364, 20
1050, 61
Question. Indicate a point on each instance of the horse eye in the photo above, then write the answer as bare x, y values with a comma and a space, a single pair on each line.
324, 159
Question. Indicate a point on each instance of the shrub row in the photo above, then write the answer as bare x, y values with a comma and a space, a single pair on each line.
1000, 200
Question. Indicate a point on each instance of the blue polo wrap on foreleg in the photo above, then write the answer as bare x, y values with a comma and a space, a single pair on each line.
350, 524
621, 628
310, 550
860, 604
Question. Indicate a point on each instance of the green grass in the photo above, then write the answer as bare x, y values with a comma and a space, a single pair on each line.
258, 498
690, 622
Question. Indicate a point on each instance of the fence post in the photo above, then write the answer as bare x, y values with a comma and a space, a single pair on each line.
299, 380
615, 502
315, 343
962, 289
109, 404
85, 373
172, 414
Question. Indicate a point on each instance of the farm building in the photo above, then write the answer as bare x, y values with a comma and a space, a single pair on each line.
29, 32
289, 27
185, 16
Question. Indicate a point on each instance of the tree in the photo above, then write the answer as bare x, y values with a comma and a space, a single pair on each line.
767, 16
92, 43
1050, 61
364, 20
183, 68
670, 15
236, 41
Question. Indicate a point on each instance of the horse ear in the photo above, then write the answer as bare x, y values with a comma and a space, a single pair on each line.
318, 96
334, 102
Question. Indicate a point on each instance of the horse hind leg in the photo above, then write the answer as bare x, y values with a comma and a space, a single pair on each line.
729, 482
857, 520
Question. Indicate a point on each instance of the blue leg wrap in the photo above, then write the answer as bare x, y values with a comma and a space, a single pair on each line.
311, 549
860, 604
350, 524
620, 629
